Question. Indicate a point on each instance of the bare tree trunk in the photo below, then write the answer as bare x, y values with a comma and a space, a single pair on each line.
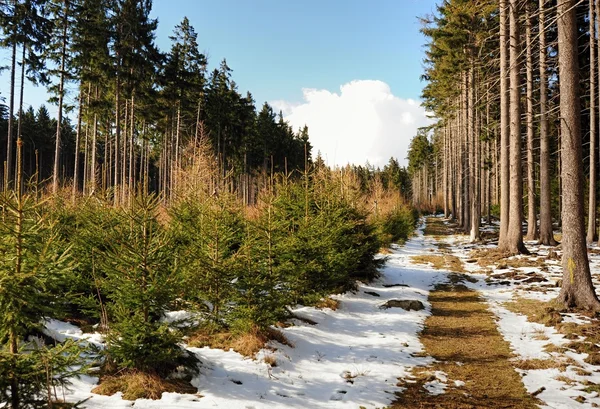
532, 231
117, 135
22, 90
77, 143
513, 243
11, 113
591, 232
94, 143
577, 288
61, 91
546, 233
504, 128
131, 182
473, 160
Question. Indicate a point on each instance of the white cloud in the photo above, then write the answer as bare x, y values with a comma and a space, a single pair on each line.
363, 122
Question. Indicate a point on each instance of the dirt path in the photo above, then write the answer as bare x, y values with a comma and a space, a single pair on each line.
461, 335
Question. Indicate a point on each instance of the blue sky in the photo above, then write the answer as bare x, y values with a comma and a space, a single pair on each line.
278, 47
314, 60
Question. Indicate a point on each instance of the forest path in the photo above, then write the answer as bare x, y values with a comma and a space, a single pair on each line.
472, 367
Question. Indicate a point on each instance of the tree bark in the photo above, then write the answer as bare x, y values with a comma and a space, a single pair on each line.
61, 91
77, 143
577, 288
546, 233
591, 232
532, 230
504, 128
513, 243
11, 114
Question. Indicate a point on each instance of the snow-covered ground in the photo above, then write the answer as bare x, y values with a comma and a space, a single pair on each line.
556, 388
352, 357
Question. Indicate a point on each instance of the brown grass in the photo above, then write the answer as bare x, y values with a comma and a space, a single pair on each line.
436, 227
444, 262
461, 329
328, 302
493, 256
530, 364
140, 385
247, 344
546, 313
270, 360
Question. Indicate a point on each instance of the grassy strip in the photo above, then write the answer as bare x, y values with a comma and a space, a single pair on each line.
462, 336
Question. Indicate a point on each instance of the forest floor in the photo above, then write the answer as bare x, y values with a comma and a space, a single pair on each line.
448, 325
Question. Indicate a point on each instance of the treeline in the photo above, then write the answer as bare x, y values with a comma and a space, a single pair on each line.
514, 86
136, 108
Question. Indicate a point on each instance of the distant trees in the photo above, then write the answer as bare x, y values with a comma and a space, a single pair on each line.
138, 109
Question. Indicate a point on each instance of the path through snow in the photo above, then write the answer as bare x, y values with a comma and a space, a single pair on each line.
352, 357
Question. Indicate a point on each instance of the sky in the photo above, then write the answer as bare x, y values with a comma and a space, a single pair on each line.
348, 69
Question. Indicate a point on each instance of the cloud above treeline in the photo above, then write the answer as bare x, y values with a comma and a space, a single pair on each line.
363, 122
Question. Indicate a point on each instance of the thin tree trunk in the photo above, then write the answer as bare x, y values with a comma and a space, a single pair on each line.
11, 113
94, 143
532, 231
591, 232
513, 243
77, 142
61, 89
577, 288
117, 134
546, 233
473, 160
505, 183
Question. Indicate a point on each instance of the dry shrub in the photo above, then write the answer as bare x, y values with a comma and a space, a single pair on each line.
328, 302
246, 343
270, 360
140, 385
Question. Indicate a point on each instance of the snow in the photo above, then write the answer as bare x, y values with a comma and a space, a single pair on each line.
352, 357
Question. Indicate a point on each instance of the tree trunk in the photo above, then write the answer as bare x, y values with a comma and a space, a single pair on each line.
546, 233
473, 160
504, 128
577, 288
117, 134
532, 231
591, 232
77, 143
513, 243
61, 91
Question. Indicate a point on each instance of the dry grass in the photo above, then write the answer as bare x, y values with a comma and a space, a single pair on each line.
531, 364
493, 256
328, 303
270, 360
140, 385
247, 344
461, 329
436, 227
565, 379
546, 313
445, 262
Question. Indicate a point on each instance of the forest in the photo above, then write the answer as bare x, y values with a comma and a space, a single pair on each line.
167, 241
514, 88
161, 209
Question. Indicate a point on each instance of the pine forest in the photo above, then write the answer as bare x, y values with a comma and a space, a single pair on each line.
167, 241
